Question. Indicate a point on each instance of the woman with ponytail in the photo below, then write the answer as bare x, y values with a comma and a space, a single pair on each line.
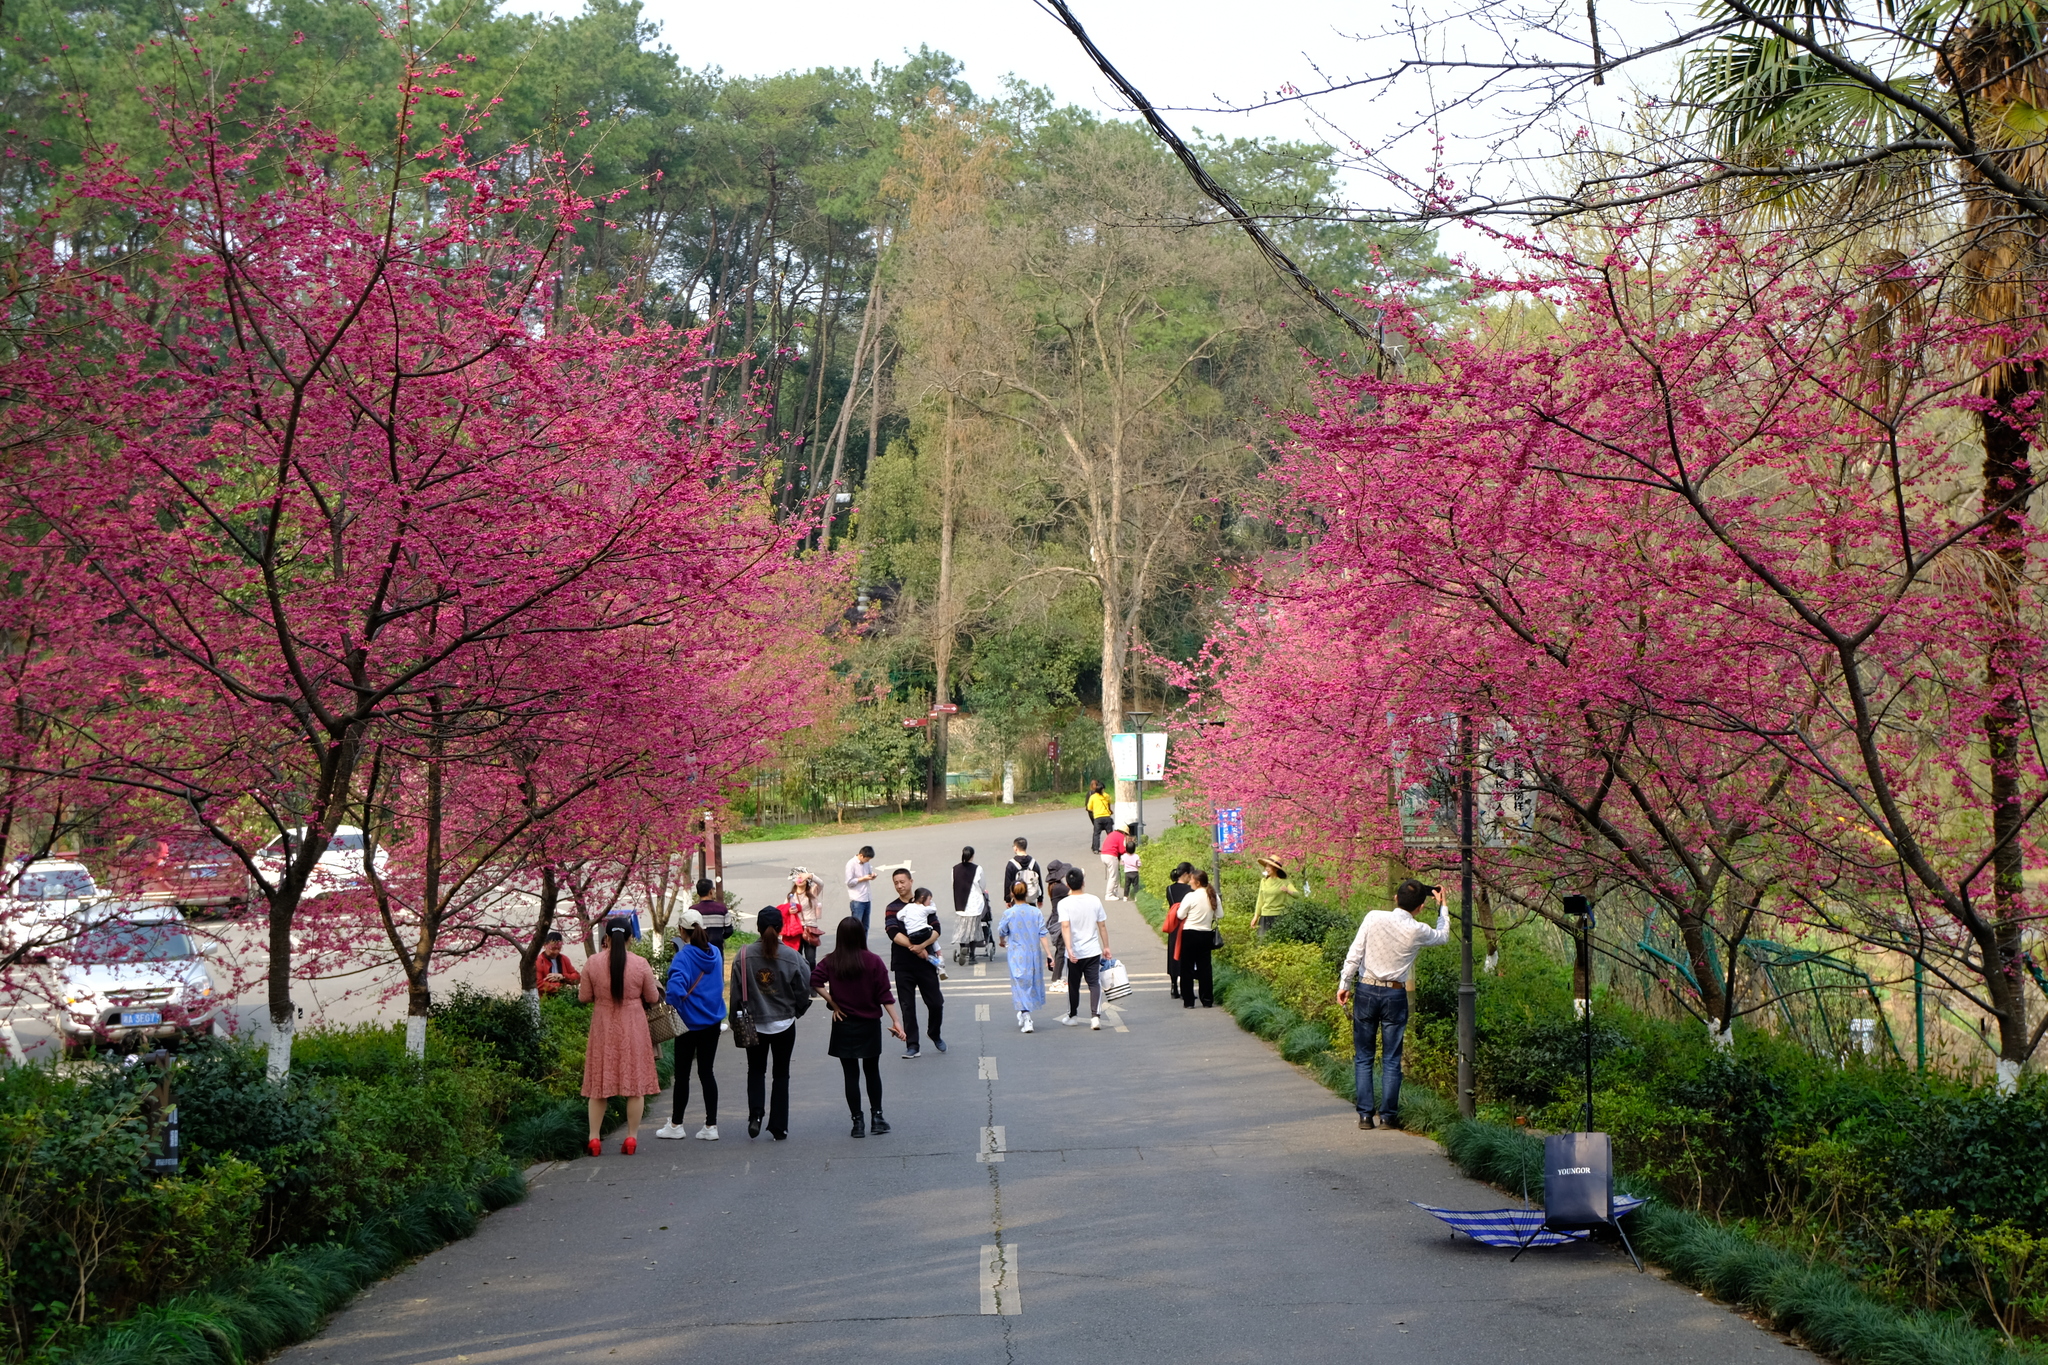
618, 1058
773, 985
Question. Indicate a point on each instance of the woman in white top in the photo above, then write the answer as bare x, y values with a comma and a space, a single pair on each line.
1196, 942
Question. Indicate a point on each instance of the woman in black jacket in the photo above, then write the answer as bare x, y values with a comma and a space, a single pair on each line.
773, 985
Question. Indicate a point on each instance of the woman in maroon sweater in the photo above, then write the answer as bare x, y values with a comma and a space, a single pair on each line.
855, 986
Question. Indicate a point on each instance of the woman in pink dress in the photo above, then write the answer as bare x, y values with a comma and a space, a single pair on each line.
619, 1057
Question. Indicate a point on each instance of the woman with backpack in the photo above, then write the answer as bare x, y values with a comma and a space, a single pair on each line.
772, 987
855, 985
618, 1055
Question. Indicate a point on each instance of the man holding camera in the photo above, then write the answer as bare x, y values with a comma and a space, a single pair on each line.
1382, 963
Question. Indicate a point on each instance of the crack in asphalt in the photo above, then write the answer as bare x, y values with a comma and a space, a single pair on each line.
995, 1194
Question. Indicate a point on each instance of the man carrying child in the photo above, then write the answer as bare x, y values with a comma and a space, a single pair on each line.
913, 939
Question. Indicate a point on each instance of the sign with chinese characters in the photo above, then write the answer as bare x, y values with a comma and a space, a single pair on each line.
1230, 829
1123, 756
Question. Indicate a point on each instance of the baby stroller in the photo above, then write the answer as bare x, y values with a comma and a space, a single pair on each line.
974, 935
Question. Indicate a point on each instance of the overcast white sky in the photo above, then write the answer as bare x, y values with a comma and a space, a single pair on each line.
1181, 53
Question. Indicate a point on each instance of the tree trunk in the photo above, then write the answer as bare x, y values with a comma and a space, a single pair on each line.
2007, 472
529, 952
942, 635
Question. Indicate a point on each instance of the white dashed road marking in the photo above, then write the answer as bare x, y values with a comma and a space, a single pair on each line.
988, 1070
993, 1145
1001, 1292
981, 1014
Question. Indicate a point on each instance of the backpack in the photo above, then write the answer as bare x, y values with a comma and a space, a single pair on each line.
1034, 880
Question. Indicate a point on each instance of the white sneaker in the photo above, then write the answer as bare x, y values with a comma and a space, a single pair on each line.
1070, 1020
1096, 1022
672, 1130
1026, 1026
709, 1132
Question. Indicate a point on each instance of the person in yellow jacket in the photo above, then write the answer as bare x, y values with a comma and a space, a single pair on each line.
1100, 817
1274, 889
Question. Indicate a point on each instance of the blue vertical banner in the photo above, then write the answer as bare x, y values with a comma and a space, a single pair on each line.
1230, 829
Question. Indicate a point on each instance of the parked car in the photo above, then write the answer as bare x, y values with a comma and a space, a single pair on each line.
188, 867
44, 902
340, 867
136, 974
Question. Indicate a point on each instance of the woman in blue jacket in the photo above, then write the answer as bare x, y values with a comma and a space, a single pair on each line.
696, 987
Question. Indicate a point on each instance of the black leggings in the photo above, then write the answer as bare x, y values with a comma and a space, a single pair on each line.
853, 1066
760, 1097
699, 1045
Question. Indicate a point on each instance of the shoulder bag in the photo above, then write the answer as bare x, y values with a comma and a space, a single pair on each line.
743, 1031
663, 1022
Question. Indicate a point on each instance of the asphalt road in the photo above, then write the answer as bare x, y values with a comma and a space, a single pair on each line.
1164, 1190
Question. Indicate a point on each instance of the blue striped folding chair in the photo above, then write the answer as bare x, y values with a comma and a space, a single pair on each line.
1578, 1189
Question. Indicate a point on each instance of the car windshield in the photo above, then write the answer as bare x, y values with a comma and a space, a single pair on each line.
55, 884
347, 840
134, 943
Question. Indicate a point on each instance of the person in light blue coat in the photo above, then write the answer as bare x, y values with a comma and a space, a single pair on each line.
696, 987
1022, 936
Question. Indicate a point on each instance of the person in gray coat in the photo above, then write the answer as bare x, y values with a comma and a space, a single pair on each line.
773, 985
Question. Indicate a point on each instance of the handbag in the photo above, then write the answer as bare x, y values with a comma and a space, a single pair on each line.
1116, 981
663, 1022
1216, 940
743, 1032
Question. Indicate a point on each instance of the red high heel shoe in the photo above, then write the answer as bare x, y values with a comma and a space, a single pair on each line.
630, 1146
595, 1147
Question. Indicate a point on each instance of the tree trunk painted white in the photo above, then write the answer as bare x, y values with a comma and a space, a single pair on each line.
1493, 964
1722, 1035
654, 942
1578, 1006
416, 1036
1010, 783
280, 1061
2008, 1076
532, 994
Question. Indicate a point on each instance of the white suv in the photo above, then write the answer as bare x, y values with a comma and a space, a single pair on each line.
44, 903
135, 974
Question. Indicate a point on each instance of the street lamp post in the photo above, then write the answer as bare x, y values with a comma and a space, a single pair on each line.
1468, 992
1138, 718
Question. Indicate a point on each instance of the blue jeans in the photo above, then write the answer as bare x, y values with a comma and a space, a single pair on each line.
859, 910
1379, 1016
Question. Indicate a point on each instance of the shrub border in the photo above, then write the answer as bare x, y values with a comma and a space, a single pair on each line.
288, 1297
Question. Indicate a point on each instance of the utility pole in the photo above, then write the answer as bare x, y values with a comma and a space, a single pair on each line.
1468, 993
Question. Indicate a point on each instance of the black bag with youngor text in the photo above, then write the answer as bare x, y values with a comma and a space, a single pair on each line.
744, 1034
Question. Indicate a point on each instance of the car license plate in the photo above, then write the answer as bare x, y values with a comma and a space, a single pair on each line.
134, 1018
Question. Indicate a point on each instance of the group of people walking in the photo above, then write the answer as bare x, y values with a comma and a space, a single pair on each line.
1051, 926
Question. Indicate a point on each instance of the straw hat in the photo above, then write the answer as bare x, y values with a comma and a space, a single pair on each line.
1272, 864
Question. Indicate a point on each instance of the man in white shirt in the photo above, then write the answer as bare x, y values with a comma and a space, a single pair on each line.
860, 892
1084, 932
1382, 963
